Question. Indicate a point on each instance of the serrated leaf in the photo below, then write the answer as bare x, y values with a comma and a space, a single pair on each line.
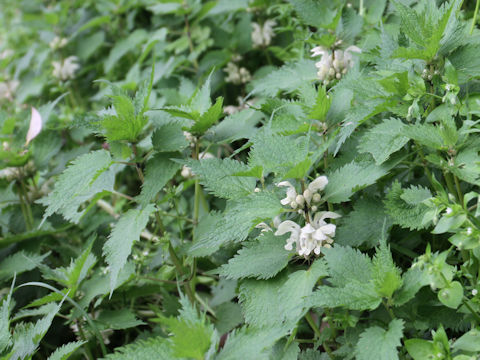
65, 351
262, 258
236, 222
192, 333
5, 335
402, 212
276, 153
118, 319
158, 171
125, 124
217, 177
378, 344
363, 225
209, 118
249, 343
288, 78
18, 263
350, 178
157, 348
87, 176
119, 244
169, 137
389, 131
425, 134
386, 276
313, 13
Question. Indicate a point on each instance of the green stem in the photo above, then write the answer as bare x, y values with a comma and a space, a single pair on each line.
318, 334
475, 315
424, 163
312, 324
389, 310
459, 191
196, 204
474, 20
448, 180
26, 236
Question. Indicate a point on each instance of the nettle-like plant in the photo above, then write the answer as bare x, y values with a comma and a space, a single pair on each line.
252, 180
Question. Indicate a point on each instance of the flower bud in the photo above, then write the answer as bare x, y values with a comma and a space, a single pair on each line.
316, 197
314, 208
293, 204
300, 200
257, 190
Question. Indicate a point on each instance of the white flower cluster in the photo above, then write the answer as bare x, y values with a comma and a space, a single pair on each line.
262, 35
58, 43
334, 65
65, 69
237, 75
316, 233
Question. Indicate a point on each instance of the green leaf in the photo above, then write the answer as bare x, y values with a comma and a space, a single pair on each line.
262, 258
300, 170
389, 131
87, 176
157, 348
191, 333
18, 263
119, 244
451, 295
169, 137
158, 171
65, 351
363, 225
276, 153
126, 124
378, 344
313, 13
420, 349
209, 118
386, 276
469, 341
217, 177
425, 134
322, 105
118, 319
5, 335
236, 222
413, 280
288, 78
260, 301
200, 101
27, 337
250, 343
404, 206
350, 178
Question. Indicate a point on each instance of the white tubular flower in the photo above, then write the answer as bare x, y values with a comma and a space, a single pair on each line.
319, 50
289, 226
65, 69
264, 227
348, 55
291, 193
311, 192
262, 35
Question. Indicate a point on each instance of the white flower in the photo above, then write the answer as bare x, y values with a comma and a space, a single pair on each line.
58, 43
334, 65
291, 194
262, 35
312, 237
65, 69
35, 126
237, 75
312, 190
474, 292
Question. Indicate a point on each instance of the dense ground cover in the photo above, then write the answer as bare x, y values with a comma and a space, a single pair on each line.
238, 179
